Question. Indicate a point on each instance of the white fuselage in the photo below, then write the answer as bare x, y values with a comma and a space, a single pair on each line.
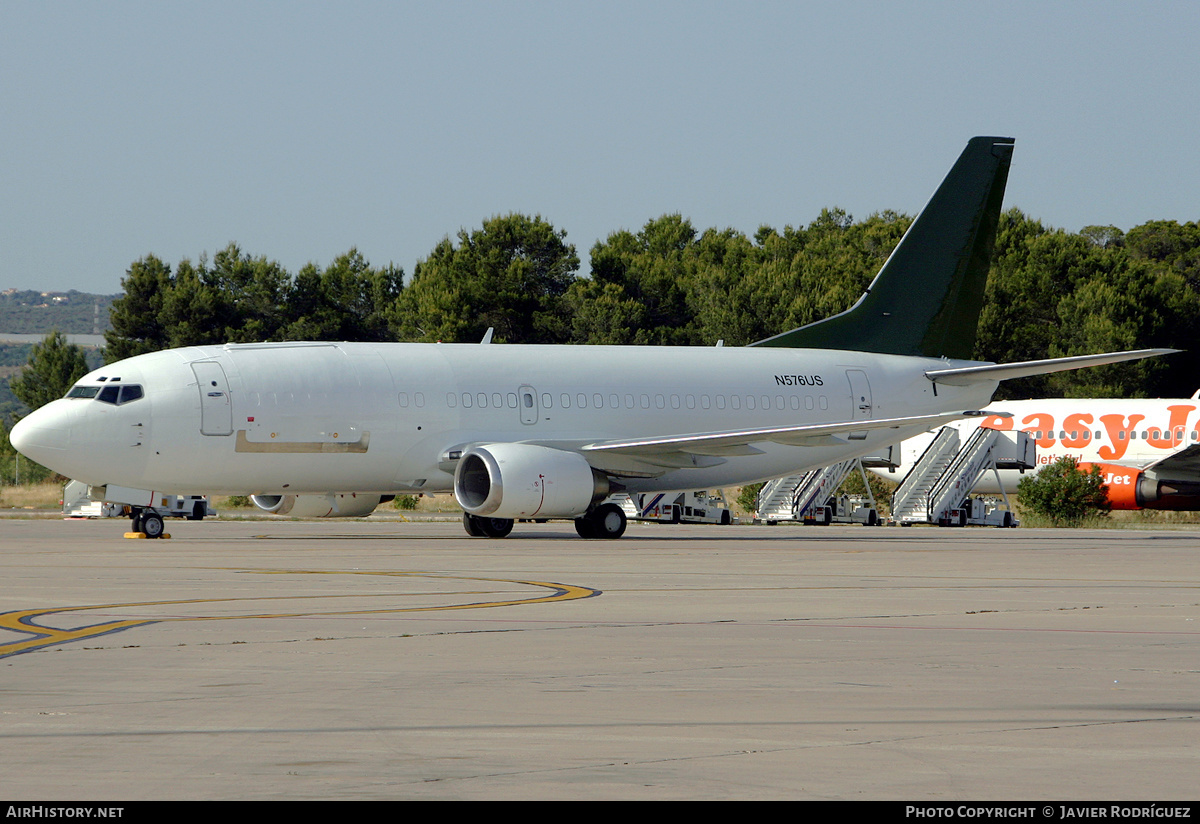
384, 417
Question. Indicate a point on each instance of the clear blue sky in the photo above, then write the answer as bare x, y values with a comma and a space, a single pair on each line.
302, 129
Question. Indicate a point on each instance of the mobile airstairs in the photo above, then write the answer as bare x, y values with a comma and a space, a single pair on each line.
811, 498
937, 490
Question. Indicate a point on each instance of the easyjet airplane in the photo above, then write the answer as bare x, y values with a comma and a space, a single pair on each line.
1147, 450
539, 432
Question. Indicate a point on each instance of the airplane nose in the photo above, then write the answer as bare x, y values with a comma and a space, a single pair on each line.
41, 436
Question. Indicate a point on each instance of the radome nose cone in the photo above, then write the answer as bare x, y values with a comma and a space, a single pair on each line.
35, 437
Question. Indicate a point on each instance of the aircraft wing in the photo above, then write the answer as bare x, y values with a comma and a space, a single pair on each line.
675, 449
1182, 464
966, 375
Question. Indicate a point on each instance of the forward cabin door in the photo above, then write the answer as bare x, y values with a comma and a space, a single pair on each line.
216, 411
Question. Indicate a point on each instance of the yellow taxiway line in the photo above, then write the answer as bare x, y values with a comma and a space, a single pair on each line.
41, 636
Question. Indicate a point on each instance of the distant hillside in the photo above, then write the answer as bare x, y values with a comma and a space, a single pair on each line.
38, 313
76, 313
13, 357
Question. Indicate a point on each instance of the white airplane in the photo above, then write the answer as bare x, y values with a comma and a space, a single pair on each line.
541, 432
1148, 450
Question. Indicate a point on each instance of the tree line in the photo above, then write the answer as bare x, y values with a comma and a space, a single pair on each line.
1050, 293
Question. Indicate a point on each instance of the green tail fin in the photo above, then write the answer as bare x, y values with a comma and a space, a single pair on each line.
926, 298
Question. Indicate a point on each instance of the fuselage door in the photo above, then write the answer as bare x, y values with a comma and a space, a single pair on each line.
527, 400
860, 395
216, 411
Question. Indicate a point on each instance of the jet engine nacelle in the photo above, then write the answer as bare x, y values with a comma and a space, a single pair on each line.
1129, 488
331, 505
517, 480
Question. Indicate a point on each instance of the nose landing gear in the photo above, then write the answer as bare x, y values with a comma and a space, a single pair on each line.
146, 523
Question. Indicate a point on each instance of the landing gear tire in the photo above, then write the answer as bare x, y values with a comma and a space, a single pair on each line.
471, 525
496, 527
478, 527
152, 525
584, 527
607, 521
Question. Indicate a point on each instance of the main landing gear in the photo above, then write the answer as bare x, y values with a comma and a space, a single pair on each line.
606, 521
487, 527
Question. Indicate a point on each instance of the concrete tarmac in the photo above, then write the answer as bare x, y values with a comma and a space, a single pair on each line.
362, 660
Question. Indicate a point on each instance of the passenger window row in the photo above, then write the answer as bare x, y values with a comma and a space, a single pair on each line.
597, 400
1086, 435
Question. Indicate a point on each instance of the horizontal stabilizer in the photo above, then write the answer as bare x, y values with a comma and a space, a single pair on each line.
967, 375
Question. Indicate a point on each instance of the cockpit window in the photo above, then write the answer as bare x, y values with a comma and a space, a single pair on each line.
114, 394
